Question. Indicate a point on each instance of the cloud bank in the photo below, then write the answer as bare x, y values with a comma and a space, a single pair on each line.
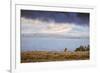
40, 28
59, 17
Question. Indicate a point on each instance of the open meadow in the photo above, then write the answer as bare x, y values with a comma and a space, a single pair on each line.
46, 56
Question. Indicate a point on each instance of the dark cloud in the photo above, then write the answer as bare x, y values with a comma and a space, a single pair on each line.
60, 17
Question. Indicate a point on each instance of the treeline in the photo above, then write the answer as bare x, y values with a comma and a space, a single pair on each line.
80, 48
83, 48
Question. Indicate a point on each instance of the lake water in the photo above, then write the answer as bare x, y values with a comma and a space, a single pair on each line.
51, 44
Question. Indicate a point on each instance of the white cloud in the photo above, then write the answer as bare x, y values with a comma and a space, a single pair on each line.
37, 26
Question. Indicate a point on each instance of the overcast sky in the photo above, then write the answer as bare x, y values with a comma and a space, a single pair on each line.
54, 24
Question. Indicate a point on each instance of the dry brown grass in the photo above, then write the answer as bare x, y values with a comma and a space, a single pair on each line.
45, 56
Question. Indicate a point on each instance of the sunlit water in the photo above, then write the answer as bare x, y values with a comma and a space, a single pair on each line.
51, 44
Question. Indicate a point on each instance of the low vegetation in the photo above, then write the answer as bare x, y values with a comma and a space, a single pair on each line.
81, 53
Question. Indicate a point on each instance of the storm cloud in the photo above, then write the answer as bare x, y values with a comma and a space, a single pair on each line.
61, 17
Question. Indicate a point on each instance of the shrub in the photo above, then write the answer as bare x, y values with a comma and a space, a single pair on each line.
65, 49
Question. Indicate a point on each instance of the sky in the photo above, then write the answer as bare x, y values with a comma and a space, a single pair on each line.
55, 24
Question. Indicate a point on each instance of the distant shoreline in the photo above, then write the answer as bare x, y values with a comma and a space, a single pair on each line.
50, 36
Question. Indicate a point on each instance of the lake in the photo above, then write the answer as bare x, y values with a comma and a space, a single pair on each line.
51, 44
